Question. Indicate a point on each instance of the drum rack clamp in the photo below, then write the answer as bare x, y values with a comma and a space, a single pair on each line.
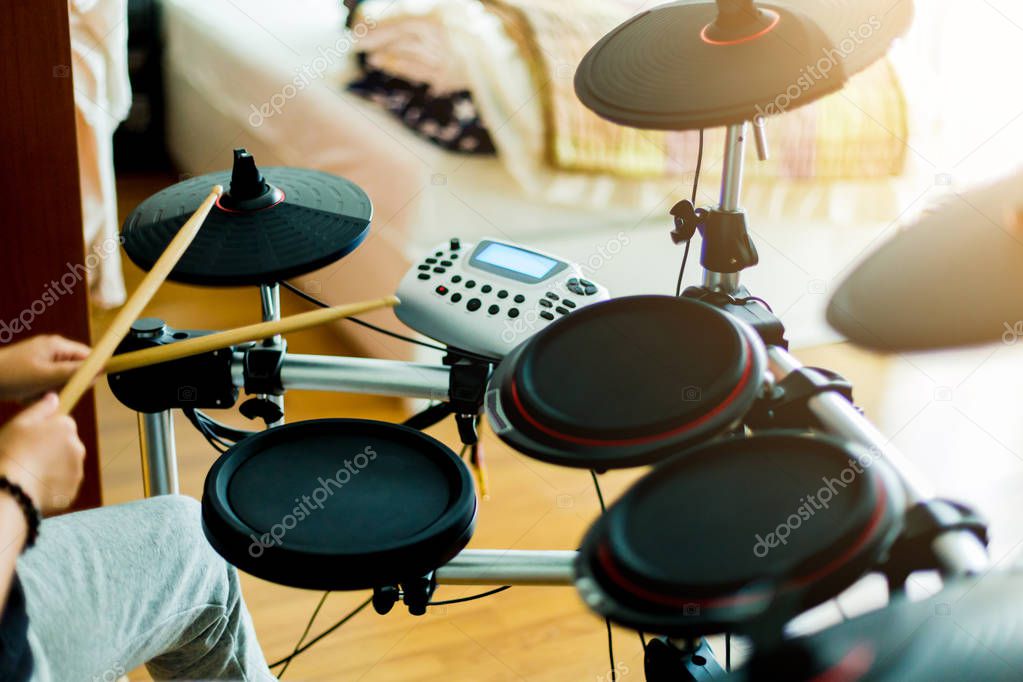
195, 382
467, 385
415, 594
262, 370
785, 405
923, 523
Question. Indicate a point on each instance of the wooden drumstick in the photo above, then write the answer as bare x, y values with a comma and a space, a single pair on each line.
232, 337
79, 382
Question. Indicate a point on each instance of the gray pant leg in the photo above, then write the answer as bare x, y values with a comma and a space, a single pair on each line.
113, 588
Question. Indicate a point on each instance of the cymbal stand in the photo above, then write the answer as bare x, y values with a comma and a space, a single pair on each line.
727, 248
270, 298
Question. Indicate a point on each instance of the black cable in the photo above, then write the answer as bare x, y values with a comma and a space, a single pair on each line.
611, 650
600, 495
221, 430
474, 597
696, 185
317, 302
747, 299
607, 621
401, 337
432, 415
728, 652
682, 270
699, 164
305, 633
351, 614
211, 438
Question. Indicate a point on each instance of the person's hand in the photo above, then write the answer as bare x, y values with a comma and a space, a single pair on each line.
30, 368
41, 452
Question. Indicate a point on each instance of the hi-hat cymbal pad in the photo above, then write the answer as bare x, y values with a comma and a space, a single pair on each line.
698, 64
269, 225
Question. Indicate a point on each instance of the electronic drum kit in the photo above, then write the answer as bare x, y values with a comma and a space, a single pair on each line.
700, 386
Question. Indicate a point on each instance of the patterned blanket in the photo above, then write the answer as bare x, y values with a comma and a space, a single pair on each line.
859, 132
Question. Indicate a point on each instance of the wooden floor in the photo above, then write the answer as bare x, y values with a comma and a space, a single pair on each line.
536, 634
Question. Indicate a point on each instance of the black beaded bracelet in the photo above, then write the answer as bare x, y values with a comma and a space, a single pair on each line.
32, 516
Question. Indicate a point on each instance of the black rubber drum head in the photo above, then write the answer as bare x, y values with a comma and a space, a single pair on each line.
338, 504
626, 382
737, 530
265, 228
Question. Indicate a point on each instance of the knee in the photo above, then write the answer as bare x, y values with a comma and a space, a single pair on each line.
180, 519
178, 511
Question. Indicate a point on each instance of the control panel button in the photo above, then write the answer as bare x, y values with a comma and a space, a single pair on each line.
502, 297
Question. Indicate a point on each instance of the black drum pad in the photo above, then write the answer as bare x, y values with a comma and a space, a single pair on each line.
716, 537
339, 504
626, 382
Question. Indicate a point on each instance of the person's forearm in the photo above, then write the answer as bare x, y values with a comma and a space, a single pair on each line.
13, 531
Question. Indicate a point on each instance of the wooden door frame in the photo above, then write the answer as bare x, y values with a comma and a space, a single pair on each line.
41, 212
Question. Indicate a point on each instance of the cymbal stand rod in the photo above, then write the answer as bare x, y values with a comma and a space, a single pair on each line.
270, 298
731, 171
731, 187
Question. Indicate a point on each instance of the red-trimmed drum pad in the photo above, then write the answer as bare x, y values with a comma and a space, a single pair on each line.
626, 382
689, 550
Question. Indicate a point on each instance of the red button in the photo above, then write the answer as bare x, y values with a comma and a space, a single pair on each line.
441, 290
